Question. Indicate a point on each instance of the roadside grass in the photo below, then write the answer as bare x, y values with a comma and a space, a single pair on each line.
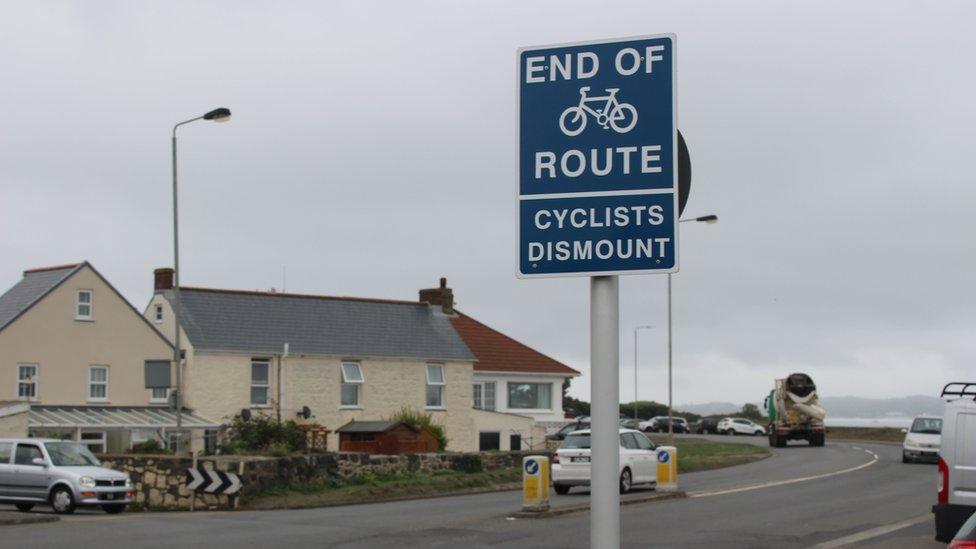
373, 488
694, 454
868, 434
698, 454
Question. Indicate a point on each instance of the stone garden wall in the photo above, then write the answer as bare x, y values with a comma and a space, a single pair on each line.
159, 482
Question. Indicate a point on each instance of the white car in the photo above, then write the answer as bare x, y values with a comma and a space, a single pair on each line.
571, 462
922, 441
740, 426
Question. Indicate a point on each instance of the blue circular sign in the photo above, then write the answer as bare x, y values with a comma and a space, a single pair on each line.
663, 456
532, 467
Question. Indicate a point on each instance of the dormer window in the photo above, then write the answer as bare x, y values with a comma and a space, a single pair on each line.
83, 305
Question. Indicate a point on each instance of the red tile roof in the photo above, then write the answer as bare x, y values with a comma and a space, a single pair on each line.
496, 352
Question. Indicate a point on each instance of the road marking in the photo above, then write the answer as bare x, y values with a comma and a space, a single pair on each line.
873, 533
874, 459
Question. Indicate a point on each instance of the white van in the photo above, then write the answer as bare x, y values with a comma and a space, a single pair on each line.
957, 461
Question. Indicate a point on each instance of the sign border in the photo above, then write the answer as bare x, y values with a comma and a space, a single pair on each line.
674, 160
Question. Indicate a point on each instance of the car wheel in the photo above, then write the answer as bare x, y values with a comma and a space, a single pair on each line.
62, 501
759, 433
561, 489
904, 458
25, 507
626, 481
116, 508
730, 432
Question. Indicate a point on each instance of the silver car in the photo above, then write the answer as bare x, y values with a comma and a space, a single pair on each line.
61, 473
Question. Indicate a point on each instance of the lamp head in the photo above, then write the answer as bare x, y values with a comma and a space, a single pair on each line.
710, 219
218, 115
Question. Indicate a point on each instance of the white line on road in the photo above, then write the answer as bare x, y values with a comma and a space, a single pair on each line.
874, 459
873, 533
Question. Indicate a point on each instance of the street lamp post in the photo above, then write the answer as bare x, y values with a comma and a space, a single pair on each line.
645, 327
710, 219
216, 115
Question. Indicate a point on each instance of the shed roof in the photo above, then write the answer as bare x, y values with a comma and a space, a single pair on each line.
262, 322
371, 426
36, 284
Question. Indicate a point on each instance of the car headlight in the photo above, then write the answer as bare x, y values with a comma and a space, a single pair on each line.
128, 482
86, 482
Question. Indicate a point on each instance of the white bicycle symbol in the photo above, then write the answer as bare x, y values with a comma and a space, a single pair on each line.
622, 117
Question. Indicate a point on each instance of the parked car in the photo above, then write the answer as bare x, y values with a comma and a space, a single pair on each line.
739, 426
630, 423
571, 462
957, 461
708, 425
659, 424
965, 538
61, 473
922, 440
577, 425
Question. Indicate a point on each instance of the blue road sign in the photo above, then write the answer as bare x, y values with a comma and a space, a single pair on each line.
663, 456
597, 160
531, 466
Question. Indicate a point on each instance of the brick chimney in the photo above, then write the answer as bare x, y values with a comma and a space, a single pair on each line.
163, 279
442, 296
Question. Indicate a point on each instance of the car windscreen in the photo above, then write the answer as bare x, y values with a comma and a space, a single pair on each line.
68, 454
580, 442
927, 425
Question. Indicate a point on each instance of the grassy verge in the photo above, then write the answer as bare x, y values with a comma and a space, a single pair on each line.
694, 454
371, 488
698, 454
868, 434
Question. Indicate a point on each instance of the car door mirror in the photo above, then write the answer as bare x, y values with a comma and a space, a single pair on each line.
39, 461
904, 430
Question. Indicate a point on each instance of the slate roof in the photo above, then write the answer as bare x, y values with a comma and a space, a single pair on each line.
496, 352
369, 426
262, 322
36, 284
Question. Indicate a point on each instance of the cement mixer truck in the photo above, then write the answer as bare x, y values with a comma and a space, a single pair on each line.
794, 413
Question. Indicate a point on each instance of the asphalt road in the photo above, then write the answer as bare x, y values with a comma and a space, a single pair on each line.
841, 494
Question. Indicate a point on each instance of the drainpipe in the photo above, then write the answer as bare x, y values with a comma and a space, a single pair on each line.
281, 388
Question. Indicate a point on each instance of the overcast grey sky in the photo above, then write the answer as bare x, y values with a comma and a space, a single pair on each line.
372, 150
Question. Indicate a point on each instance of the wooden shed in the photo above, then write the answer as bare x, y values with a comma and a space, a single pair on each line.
385, 437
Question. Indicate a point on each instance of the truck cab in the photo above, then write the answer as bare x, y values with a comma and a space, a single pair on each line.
957, 461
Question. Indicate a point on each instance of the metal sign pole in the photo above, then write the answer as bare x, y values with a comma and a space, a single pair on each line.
604, 412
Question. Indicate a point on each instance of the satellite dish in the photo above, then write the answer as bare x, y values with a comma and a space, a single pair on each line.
245, 414
306, 412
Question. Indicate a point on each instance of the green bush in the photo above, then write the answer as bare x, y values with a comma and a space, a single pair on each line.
264, 435
422, 420
151, 446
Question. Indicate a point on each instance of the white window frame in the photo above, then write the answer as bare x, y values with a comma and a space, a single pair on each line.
439, 384
158, 313
349, 381
162, 400
481, 388
266, 385
32, 381
92, 383
91, 441
90, 304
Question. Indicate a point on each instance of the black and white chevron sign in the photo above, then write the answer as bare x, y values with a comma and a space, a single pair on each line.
212, 481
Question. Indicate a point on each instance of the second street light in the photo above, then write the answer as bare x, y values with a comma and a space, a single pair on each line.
636, 329
710, 219
217, 115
